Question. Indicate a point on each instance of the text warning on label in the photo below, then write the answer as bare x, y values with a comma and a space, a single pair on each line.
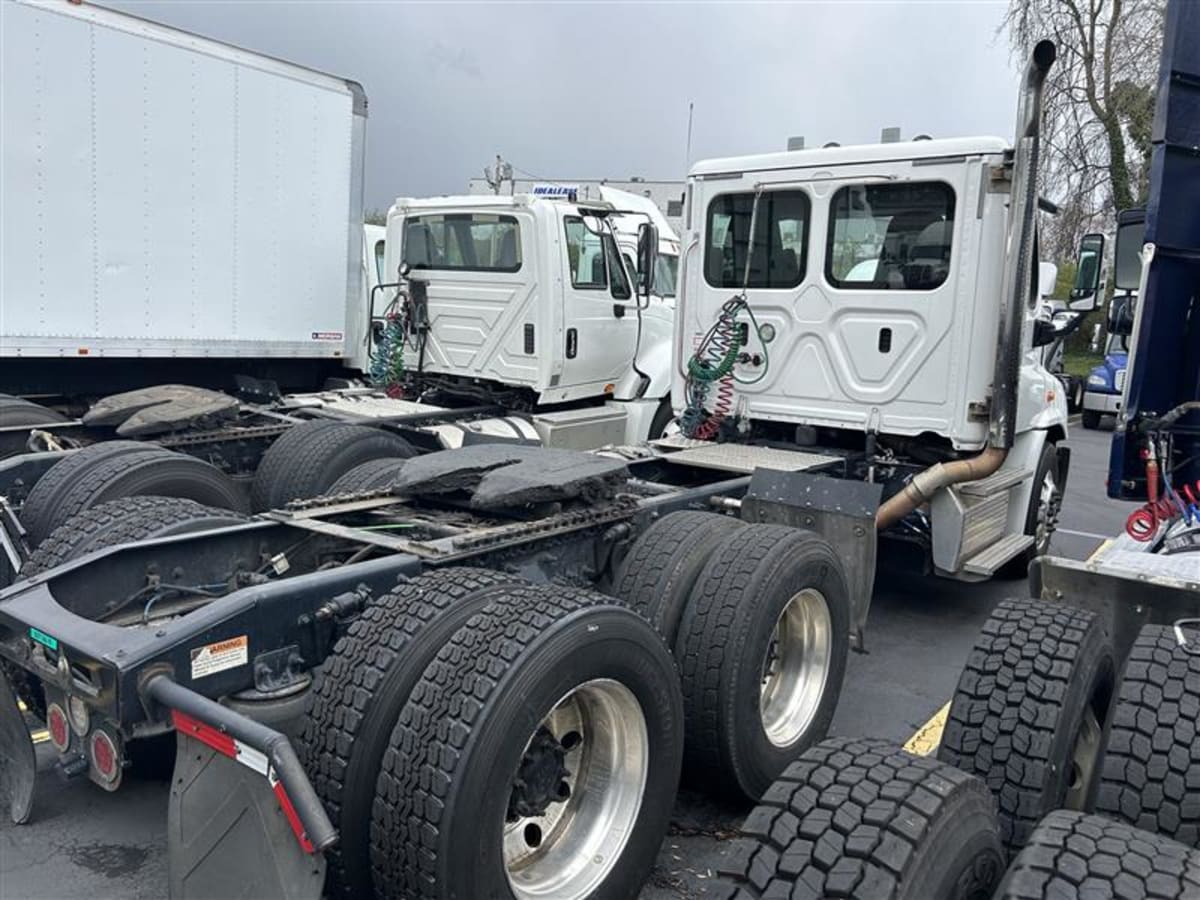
213, 658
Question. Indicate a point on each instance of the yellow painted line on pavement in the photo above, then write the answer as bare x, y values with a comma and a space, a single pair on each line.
1095, 553
926, 739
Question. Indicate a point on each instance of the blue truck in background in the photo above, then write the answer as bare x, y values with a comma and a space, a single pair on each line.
1106, 382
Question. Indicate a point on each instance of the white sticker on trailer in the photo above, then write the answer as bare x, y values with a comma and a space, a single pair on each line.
327, 335
213, 658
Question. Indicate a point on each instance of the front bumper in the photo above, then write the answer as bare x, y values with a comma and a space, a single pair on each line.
1095, 401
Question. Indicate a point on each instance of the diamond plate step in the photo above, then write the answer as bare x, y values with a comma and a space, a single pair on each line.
986, 562
745, 459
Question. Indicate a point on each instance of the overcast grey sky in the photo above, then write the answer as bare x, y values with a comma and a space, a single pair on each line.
586, 90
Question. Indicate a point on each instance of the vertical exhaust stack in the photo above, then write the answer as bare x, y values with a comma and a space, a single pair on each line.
1018, 281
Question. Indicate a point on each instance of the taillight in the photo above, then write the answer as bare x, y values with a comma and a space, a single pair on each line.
106, 761
60, 730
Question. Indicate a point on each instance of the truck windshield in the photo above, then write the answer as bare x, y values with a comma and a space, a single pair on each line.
471, 242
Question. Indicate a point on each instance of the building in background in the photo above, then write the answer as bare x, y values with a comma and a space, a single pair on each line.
667, 195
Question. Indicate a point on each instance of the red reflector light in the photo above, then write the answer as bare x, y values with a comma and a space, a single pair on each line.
104, 756
56, 724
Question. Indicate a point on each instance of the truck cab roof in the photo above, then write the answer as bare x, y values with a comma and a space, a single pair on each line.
860, 153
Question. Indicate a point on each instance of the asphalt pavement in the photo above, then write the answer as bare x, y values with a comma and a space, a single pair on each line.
85, 843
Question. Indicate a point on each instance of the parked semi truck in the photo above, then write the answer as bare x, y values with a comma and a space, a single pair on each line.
506, 654
1078, 707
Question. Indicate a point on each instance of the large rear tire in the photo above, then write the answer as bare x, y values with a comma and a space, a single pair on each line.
657, 576
43, 499
358, 694
16, 412
1151, 772
762, 654
537, 757
1090, 419
121, 522
1030, 709
1073, 856
150, 472
863, 819
308, 458
373, 475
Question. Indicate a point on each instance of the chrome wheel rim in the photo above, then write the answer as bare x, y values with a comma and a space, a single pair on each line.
1047, 514
796, 667
590, 758
1084, 756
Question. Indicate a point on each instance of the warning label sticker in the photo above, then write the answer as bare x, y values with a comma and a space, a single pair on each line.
213, 658
326, 335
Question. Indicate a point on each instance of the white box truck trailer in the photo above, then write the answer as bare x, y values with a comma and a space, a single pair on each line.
176, 199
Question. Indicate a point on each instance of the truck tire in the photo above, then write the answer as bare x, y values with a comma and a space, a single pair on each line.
537, 757
762, 653
1090, 419
153, 472
1073, 856
308, 458
1041, 519
358, 693
663, 416
1151, 772
1030, 709
121, 522
861, 818
43, 499
656, 576
373, 475
15, 412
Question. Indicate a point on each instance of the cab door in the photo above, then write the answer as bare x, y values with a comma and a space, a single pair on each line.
599, 315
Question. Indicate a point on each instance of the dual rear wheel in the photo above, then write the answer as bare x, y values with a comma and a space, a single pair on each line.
473, 735
758, 617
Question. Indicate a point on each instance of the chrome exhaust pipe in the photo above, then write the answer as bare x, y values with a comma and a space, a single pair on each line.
1019, 268
1017, 289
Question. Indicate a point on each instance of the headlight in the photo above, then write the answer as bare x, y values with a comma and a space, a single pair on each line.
1097, 381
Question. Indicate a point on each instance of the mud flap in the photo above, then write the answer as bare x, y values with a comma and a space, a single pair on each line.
227, 835
18, 761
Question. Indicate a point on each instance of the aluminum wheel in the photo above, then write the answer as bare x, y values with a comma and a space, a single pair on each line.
1049, 501
577, 793
796, 668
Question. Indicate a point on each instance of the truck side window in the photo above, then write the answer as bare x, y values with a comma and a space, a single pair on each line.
780, 253
585, 256
890, 237
620, 278
380, 248
468, 242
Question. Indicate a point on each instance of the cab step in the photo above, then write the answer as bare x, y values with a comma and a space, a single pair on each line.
988, 561
994, 483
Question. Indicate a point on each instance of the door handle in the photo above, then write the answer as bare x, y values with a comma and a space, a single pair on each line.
572, 343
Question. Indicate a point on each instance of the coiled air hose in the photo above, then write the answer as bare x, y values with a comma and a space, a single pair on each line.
713, 363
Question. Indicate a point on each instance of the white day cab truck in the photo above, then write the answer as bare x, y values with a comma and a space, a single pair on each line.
541, 640
1070, 754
